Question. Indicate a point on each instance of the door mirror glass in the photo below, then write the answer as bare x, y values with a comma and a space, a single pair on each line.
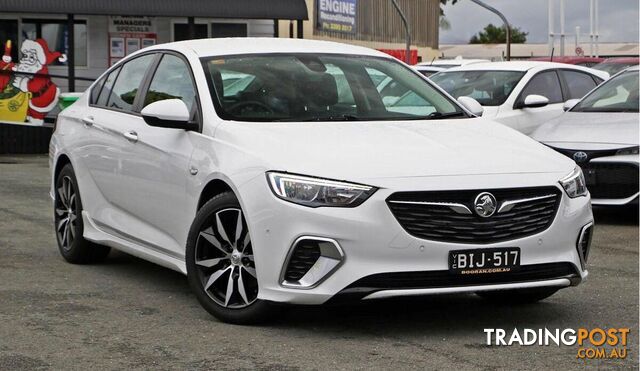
535, 101
471, 105
168, 113
569, 104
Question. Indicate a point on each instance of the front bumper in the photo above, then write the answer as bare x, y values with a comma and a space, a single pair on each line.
373, 241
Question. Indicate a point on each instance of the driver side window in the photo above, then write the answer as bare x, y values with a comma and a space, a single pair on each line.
545, 84
172, 80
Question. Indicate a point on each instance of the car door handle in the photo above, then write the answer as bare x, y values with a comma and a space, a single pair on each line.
88, 121
131, 136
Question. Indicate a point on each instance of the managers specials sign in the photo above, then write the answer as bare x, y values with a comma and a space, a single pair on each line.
336, 15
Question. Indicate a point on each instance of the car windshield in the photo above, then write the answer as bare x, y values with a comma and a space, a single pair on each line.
611, 67
489, 88
321, 87
619, 94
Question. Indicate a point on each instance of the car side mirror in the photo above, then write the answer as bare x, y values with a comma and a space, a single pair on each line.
471, 105
535, 101
570, 104
168, 113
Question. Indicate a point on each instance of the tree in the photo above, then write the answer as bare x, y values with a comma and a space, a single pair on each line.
497, 35
444, 22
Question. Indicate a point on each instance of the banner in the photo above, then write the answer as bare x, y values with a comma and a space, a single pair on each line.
336, 15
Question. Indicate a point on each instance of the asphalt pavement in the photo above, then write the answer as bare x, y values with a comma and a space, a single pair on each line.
128, 313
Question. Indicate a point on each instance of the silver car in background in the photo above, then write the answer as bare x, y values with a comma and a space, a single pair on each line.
600, 133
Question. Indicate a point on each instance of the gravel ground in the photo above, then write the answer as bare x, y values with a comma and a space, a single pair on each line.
128, 313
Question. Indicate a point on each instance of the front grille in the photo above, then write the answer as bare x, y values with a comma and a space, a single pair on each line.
443, 278
305, 253
610, 180
437, 222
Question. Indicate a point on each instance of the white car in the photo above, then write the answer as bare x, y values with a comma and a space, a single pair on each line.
428, 70
521, 95
298, 190
601, 134
450, 63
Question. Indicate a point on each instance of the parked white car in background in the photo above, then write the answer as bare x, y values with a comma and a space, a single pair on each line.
428, 70
454, 62
521, 95
304, 185
601, 134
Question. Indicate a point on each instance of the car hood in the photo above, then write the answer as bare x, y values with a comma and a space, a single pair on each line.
596, 130
359, 151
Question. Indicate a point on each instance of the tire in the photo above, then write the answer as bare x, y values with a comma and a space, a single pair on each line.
518, 296
220, 265
69, 227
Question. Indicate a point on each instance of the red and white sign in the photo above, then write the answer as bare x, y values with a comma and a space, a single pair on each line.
128, 34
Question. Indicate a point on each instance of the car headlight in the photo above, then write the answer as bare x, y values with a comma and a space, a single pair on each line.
627, 151
574, 183
316, 192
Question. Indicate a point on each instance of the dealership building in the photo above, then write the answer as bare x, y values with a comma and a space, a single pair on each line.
103, 32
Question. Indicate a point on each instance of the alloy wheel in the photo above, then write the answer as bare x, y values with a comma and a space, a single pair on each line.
66, 213
224, 260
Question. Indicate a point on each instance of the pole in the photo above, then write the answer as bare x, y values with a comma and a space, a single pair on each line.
300, 30
191, 28
407, 53
562, 28
591, 28
577, 37
597, 29
551, 24
506, 24
71, 63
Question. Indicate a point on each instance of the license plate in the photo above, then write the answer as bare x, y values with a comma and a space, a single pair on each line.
590, 177
482, 261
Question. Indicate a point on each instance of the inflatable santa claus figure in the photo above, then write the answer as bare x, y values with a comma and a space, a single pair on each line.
6, 65
36, 56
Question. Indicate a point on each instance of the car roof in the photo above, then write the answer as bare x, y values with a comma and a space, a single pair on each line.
264, 45
428, 68
524, 66
456, 61
567, 59
622, 60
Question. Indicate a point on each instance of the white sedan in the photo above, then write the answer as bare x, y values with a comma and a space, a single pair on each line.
601, 134
521, 95
428, 70
273, 171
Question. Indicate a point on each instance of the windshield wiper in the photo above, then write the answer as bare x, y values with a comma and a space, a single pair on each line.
333, 118
440, 115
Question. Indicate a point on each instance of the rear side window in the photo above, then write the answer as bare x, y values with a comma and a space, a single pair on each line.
95, 91
578, 83
545, 84
128, 82
105, 93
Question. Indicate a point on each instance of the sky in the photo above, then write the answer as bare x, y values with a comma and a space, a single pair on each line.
618, 19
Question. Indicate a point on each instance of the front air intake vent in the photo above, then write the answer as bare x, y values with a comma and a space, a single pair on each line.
584, 243
304, 255
310, 261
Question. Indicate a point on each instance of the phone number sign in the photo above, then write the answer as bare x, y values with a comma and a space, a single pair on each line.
336, 15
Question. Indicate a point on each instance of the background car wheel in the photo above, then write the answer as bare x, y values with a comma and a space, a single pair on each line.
68, 222
220, 265
520, 296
